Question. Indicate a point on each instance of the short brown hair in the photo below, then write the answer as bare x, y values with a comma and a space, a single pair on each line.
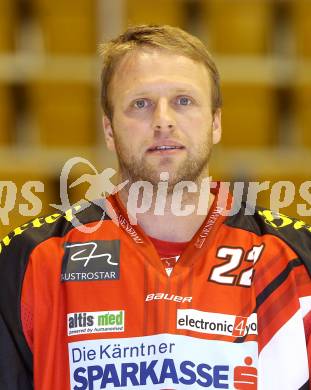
164, 37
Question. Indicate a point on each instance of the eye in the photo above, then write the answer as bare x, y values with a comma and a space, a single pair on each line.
184, 101
141, 103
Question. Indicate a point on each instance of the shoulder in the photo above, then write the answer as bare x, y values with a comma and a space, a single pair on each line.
16, 247
294, 233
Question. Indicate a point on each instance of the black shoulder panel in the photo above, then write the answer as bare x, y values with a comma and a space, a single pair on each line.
16, 369
295, 233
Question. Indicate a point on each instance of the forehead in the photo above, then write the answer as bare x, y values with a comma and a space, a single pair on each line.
155, 67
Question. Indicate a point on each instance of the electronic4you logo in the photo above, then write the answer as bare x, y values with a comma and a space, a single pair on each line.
216, 323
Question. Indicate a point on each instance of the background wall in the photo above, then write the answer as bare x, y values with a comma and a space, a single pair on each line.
49, 89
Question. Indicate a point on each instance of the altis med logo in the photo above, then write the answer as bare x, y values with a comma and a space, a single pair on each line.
95, 322
163, 361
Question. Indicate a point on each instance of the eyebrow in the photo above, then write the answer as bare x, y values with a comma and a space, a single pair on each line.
183, 90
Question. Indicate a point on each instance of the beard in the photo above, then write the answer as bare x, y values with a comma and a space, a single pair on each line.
190, 168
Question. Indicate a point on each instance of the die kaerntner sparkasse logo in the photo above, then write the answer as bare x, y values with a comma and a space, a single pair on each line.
171, 361
282, 194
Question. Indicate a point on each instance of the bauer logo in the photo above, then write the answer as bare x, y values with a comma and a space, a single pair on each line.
216, 323
95, 322
91, 261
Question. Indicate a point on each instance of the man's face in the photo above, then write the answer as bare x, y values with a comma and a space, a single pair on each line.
162, 117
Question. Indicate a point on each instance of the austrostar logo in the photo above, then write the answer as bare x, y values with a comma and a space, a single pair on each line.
91, 261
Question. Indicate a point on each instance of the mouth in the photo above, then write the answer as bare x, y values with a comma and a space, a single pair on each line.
165, 149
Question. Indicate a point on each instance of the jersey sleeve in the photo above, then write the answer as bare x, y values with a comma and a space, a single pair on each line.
16, 368
304, 290
297, 235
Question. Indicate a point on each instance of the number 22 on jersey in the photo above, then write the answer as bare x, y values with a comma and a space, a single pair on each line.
231, 258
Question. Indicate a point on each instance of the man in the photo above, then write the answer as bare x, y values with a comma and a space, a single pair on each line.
182, 297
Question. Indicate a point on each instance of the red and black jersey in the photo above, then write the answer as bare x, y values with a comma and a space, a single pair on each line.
86, 303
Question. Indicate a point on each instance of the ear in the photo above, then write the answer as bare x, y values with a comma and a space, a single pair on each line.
216, 135
108, 131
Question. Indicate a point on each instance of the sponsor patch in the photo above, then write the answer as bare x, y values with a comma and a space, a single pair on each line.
163, 361
91, 261
95, 322
216, 323
167, 297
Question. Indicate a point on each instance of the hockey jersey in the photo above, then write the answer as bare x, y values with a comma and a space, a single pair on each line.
86, 304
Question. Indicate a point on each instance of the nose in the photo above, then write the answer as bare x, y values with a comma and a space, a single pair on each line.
163, 116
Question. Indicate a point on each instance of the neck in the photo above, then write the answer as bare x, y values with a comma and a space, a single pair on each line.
171, 216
